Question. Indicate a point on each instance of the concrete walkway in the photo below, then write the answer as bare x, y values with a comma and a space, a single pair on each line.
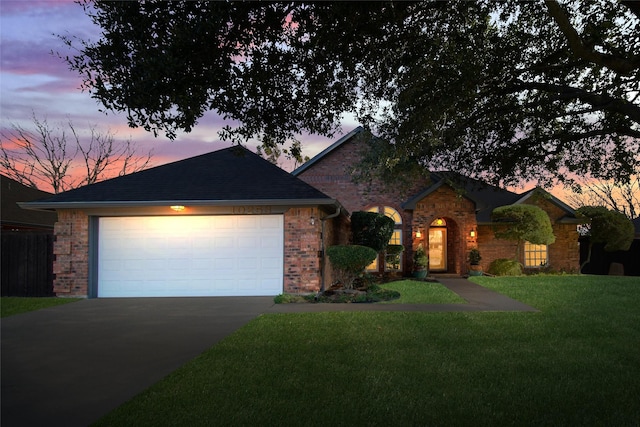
71, 364
478, 298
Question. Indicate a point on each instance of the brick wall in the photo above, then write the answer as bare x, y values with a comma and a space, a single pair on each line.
71, 251
302, 246
564, 253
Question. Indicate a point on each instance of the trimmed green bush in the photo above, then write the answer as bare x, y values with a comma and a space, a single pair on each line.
505, 267
349, 261
371, 229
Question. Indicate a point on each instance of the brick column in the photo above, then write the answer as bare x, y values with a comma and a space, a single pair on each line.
71, 250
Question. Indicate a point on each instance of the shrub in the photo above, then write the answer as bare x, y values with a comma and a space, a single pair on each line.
349, 261
392, 256
420, 259
474, 256
371, 229
288, 298
505, 267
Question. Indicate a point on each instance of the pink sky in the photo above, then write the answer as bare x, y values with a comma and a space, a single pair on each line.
32, 79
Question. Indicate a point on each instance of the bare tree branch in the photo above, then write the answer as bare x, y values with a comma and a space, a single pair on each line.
49, 158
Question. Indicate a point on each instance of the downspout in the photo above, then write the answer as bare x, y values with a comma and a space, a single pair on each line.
322, 256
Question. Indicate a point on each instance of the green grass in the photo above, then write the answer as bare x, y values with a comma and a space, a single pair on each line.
10, 306
576, 362
417, 292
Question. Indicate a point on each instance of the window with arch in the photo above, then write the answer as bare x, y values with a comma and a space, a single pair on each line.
391, 262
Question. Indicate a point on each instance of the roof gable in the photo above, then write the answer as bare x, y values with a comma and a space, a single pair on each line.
327, 150
485, 196
233, 174
571, 213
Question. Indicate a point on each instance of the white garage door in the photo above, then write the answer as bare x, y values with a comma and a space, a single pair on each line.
190, 256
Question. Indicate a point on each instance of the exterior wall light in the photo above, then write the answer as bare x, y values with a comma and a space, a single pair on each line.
313, 220
418, 234
177, 208
473, 233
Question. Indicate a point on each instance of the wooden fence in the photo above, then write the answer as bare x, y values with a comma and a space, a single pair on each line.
27, 264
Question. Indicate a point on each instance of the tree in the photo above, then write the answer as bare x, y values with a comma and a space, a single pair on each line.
60, 157
292, 154
506, 91
609, 227
622, 197
522, 223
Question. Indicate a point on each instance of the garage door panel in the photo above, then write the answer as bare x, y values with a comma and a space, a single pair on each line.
190, 256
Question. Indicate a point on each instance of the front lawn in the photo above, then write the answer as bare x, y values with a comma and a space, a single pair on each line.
16, 305
418, 292
576, 362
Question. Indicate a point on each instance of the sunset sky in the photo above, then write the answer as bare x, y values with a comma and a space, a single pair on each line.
32, 79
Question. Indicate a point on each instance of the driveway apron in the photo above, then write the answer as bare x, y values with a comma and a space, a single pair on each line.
71, 364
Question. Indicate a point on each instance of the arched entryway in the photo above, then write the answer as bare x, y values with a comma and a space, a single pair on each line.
444, 245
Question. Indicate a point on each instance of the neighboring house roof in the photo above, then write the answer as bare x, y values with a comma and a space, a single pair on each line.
327, 150
231, 175
13, 216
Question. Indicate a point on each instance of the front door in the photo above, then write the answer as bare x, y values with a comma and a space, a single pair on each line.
437, 249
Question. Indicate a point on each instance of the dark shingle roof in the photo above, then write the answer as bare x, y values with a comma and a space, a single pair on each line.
229, 175
486, 197
13, 215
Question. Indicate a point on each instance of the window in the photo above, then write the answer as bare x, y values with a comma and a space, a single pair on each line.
392, 262
535, 256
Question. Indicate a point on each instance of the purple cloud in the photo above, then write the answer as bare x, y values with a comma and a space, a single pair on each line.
28, 57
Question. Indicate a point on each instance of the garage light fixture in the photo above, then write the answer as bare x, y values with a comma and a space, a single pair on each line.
177, 208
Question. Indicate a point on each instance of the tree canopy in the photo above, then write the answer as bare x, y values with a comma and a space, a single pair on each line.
507, 91
523, 222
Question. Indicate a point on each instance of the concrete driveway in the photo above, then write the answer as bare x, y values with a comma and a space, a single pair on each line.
71, 364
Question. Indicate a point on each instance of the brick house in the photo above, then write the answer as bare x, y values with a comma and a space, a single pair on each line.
446, 214
227, 223
230, 223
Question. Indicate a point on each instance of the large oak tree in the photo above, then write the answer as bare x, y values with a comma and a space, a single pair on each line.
503, 90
